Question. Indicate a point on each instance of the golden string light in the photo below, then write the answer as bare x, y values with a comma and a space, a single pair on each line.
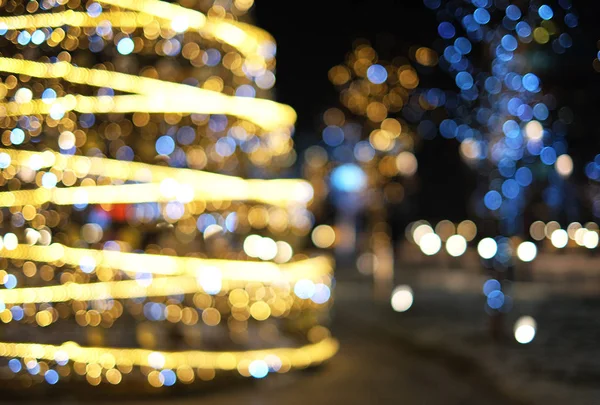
203, 186
229, 270
154, 96
294, 357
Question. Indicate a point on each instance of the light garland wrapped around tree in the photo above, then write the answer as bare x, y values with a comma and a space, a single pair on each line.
111, 231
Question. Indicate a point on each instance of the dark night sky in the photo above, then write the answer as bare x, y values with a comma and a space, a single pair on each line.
313, 37
311, 40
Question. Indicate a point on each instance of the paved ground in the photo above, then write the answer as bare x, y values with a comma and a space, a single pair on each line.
374, 366
561, 365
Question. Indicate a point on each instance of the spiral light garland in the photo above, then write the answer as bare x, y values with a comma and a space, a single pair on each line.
98, 282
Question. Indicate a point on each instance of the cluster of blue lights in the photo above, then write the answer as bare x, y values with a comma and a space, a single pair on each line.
496, 298
592, 171
33, 368
492, 108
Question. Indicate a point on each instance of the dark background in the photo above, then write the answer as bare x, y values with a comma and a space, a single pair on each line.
313, 37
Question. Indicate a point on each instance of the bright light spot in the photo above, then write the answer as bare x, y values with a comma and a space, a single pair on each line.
266, 80
66, 140
580, 236
525, 329
57, 111
348, 178
421, 231
252, 245
263, 248
49, 180
38, 37
210, 280
559, 238
268, 249
456, 245
4, 160
10, 241
32, 236
17, 136
185, 193
87, 264
430, 244
590, 239
322, 294
406, 163
169, 187
402, 298
534, 130
258, 369
23, 38
36, 162
156, 360
323, 236
144, 279
527, 251
284, 252
304, 192
487, 248
23, 95
125, 46
304, 289
180, 23
564, 165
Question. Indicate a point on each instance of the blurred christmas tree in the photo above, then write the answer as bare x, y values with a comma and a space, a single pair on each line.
132, 259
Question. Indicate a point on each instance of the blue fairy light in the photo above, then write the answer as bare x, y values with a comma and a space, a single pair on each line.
165, 145
125, 46
481, 16
464, 80
513, 12
548, 155
446, 30
531, 82
463, 45
377, 74
545, 12
492, 200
